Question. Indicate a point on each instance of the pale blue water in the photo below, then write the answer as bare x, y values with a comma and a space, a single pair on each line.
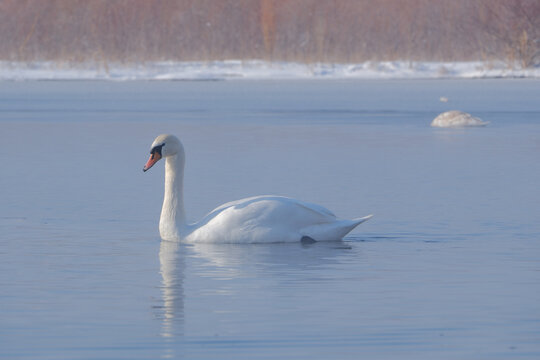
449, 267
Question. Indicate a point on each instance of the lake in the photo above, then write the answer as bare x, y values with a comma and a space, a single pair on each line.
448, 267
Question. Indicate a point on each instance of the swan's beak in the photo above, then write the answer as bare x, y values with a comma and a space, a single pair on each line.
154, 157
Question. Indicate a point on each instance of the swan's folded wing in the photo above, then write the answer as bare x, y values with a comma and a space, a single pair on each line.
331, 231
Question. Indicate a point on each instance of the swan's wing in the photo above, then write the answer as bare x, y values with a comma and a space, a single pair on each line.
275, 216
270, 219
281, 200
318, 209
334, 230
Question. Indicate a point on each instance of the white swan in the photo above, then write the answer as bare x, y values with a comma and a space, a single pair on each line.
457, 118
257, 219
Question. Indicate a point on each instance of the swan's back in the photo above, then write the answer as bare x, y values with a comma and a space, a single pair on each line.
268, 219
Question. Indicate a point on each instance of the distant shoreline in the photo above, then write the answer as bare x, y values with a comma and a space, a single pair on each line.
259, 70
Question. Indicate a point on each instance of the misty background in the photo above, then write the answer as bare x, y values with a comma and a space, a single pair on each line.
306, 31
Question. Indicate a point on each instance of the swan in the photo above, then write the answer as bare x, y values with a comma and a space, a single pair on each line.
457, 118
259, 219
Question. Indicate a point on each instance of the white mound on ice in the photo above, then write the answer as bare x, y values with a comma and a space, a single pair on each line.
456, 118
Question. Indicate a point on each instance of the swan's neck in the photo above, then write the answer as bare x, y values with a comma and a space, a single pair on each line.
173, 216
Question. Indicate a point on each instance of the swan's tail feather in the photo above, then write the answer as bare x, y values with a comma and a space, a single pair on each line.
358, 221
333, 231
354, 223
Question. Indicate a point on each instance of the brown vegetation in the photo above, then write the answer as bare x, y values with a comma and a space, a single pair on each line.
290, 30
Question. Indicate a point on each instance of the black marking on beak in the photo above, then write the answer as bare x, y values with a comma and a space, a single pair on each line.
157, 149
153, 157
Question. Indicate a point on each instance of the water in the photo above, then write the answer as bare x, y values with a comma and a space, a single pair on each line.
448, 268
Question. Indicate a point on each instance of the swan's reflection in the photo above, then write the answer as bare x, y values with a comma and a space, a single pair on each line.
218, 269
172, 272
222, 261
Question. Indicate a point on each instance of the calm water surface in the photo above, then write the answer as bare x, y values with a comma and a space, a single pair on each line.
449, 267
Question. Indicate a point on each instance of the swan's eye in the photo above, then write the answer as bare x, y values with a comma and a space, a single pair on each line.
156, 149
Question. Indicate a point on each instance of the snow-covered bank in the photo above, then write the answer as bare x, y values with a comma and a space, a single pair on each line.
254, 69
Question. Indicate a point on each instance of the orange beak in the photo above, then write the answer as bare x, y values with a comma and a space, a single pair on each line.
154, 157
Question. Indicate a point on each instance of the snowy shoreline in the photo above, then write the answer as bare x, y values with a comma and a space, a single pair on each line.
260, 70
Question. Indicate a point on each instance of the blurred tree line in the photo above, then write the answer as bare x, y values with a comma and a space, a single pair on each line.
280, 30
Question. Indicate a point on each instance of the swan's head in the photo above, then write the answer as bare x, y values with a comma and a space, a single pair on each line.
165, 145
